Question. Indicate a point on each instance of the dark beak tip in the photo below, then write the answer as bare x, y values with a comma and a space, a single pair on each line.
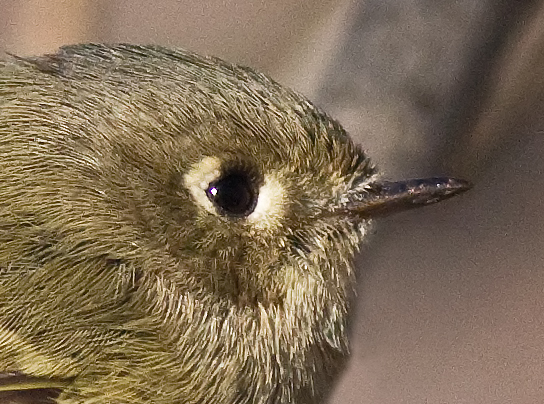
386, 197
432, 190
462, 185
453, 186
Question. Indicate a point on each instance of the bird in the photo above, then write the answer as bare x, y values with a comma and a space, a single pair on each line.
177, 229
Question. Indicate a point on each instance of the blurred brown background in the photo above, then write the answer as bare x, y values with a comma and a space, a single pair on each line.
451, 298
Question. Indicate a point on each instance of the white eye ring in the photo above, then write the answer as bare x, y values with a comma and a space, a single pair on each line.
270, 206
198, 179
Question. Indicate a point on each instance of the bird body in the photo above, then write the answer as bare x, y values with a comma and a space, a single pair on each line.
175, 229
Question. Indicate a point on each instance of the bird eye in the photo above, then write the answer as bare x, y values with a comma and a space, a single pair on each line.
233, 194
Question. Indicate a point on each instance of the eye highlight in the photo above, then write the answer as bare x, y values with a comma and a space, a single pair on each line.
233, 194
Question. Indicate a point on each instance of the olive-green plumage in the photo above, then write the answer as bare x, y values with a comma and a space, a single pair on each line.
122, 281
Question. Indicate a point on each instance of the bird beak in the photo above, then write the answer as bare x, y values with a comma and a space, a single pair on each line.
385, 198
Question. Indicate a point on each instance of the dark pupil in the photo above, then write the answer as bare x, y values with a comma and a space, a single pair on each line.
233, 194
